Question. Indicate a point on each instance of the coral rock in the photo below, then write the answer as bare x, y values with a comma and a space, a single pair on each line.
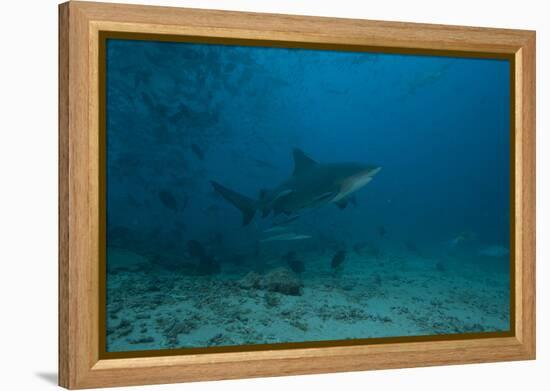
283, 281
251, 281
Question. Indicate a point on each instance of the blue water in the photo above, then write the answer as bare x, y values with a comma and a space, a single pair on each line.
432, 225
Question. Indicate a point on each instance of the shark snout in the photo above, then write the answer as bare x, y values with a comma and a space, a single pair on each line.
375, 171
368, 172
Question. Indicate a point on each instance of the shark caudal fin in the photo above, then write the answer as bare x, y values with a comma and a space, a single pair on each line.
246, 205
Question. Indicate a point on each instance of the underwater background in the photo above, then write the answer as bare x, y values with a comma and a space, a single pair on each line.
423, 248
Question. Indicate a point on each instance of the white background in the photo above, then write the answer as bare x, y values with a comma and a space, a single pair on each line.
28, 194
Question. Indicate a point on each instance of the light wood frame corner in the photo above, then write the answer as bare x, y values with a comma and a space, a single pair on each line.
80, 364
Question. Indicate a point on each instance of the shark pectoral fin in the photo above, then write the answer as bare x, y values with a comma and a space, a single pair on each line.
290, 219
325, 196
342, 203
282, 194
302, 162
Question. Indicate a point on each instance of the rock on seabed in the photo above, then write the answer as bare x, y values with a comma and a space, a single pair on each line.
280, 280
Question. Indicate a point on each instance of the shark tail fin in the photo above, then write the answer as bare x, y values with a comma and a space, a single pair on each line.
246, 205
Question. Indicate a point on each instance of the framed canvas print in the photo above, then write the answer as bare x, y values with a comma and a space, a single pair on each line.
251, 195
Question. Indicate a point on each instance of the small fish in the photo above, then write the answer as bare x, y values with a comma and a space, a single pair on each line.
295, 265
454, 242
338, 259
381, 230
168, 200
427, 79
275, 228
367, 247
288, 220
285, 237
289, 256
358, 247
207, 265
494, 251
181, 113
197, 151
196, 249
441, 267
459, 239
412, 247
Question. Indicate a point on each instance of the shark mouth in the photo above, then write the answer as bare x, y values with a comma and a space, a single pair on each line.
354, 183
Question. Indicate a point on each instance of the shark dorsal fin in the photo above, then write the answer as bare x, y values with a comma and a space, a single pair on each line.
302, 162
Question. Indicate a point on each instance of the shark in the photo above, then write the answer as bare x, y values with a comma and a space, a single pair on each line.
311, 185
286, 237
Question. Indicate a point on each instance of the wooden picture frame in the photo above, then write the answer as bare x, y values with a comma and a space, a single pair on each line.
81, 364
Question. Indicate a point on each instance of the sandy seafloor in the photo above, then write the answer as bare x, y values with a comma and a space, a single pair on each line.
400, 294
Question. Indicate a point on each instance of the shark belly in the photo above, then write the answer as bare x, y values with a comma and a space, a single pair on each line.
350, 186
